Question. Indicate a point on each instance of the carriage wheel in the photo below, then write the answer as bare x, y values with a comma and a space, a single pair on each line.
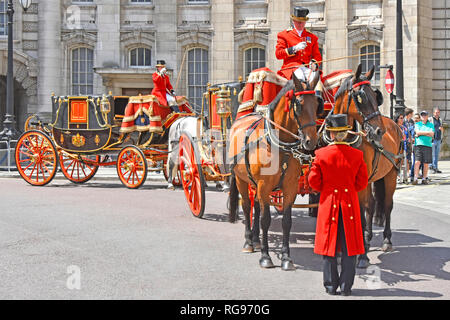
78, 170
132, 167
36, 158
176, 181
277, 197
192, 176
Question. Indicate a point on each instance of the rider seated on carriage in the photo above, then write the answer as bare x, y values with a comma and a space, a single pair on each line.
155, 112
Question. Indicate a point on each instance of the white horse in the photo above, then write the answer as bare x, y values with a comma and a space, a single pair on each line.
187, 125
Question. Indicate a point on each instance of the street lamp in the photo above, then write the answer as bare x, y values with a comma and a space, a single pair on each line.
400, 102
9, 124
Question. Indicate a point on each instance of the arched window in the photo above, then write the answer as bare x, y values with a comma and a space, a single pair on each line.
140, 57
254, 58
197, 75
82, 71
370, 56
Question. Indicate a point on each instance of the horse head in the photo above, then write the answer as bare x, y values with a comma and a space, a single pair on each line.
307, 105
360, 101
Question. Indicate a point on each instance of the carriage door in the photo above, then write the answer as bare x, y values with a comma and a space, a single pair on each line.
78, 114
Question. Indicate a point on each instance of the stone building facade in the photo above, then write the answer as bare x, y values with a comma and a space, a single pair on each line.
75, 47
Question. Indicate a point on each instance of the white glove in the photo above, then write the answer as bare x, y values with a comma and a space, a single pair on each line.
300, 46
163, 71
313, 65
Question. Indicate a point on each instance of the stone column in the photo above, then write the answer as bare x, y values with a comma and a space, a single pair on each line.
49, 78
165, 19
107, 52
336, 40
222, 51
279, 17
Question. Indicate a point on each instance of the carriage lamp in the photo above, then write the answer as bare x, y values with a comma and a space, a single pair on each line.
25, 4
105, 105
223, 102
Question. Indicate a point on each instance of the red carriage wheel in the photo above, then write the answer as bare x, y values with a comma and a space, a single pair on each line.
192, 176
36, 158
78, 170
277, 197
132, 167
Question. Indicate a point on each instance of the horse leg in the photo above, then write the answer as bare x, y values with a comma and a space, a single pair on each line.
172, 164
265, 261
363, 259
286, 261
255, 229
242, 187
368, 233
390, 184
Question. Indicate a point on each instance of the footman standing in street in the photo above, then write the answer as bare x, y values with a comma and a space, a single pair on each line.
338, 172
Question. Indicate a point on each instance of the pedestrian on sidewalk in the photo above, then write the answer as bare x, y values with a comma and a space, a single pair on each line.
338, 172
399, 120
424, 131
438, 134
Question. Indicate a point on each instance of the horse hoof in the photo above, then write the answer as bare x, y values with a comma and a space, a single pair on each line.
387, 247
257, 245
170, 187
287, 265
266, 263
248, 249
363, 264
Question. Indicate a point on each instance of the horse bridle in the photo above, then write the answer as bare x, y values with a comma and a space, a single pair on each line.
295, 104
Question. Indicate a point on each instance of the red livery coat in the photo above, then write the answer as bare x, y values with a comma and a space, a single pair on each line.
162, 86
289, 38
338, 172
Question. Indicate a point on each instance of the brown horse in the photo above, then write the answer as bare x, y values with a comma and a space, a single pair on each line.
382, 152
267, 160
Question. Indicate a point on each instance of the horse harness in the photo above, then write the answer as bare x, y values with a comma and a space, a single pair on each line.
287, 148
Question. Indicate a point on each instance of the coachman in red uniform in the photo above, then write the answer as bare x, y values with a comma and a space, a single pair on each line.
338, 172
297, 46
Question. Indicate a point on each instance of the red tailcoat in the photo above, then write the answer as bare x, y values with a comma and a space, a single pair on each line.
338, 172
162, 86
289, 38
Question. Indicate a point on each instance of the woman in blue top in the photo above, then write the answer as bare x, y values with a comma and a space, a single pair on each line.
399, 120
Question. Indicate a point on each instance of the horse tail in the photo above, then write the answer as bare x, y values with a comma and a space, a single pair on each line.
234, 200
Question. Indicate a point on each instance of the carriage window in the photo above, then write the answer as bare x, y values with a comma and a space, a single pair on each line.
254, 58
197, 75
140, 57
371, 57
3, 18
82, 71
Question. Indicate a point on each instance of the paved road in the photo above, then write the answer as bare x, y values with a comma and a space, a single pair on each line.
144, 243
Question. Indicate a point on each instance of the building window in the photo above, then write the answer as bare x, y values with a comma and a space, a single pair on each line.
82, 0
82, 71
198, 1
370, 56
141, 1
3, 18
197, 75
254, 58
140, 57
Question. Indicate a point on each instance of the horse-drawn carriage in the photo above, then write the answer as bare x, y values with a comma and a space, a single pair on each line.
88, 132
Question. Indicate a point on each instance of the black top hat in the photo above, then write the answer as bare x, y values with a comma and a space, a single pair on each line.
337, 122
300, 14
160, 63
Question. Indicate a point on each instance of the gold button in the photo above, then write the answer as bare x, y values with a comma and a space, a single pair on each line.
334, 206
351, 217
335, 190
349, 205
346, 190
333, 219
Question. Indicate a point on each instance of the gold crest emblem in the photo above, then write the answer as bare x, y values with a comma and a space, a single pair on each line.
61, 139
78, 141
359, 99
97, 139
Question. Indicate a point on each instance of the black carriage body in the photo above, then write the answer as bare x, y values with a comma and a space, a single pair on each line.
80, 126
